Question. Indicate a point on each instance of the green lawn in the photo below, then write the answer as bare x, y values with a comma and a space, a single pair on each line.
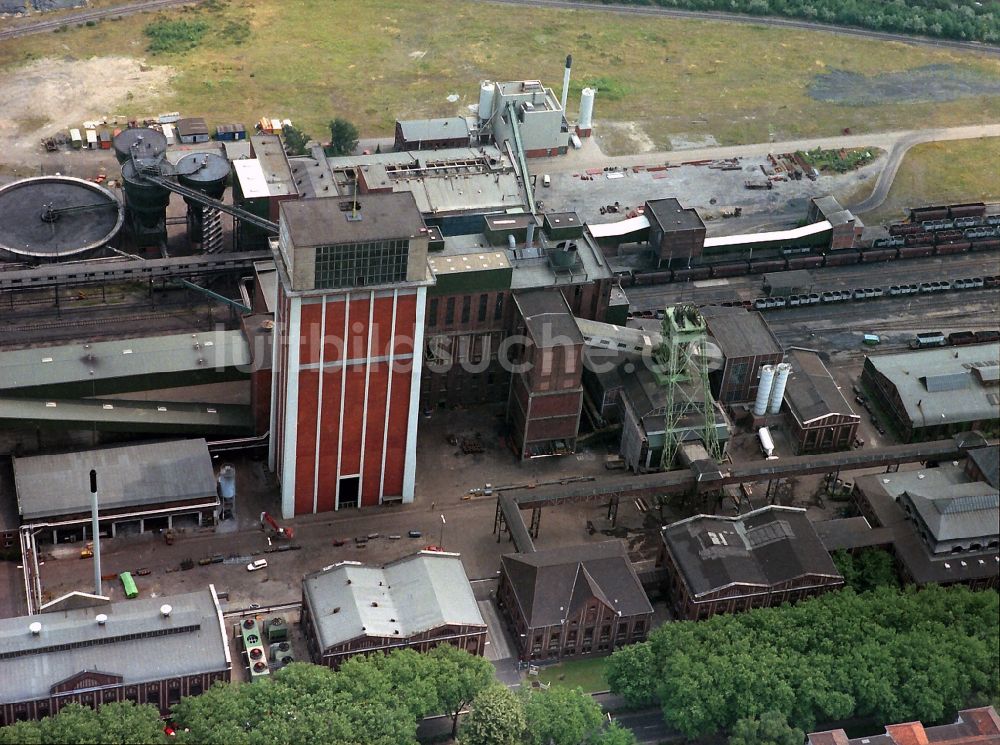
587, 674
943, 173
374, 60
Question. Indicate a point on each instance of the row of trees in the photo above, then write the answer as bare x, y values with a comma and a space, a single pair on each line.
979, 21
343, 138
894, 655
377, 700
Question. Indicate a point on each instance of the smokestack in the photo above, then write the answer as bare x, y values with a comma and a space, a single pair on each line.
96, 529
565, 91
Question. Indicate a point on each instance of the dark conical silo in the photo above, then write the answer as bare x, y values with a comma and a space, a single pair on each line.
146, 205
145, 143
207, 173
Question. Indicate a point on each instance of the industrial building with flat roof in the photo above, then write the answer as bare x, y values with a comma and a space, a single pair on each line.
148, 651
746, 344
763, 558
935, 393
140, 487
573, 601
417, 602
432, 134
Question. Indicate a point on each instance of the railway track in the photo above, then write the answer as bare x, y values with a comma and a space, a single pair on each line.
38, 27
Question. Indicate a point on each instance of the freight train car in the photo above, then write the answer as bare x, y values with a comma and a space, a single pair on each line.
733, 269
915, 252
971, 209
879, 254
957, 247
805, 262
842, 258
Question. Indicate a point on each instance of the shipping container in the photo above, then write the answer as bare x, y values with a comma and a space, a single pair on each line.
168, 133
92, 139
128, 585
75, 139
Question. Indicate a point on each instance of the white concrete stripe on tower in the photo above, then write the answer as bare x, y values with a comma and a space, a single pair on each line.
319, 402
410, 469
291, 409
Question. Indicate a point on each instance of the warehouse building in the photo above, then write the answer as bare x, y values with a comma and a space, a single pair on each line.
821, 418
573, 601
745, 343
147, 651
763, 558
432, 134
532, 109
935, 393
945, 521
352, 292
417, 602
676, 234
147, 487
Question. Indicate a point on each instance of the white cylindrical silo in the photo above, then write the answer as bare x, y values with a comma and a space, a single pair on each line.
485, 100
586, 108
778, 392
764, 390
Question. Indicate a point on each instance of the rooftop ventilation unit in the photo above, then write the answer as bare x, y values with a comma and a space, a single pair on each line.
165, 610
35, 628
101, 619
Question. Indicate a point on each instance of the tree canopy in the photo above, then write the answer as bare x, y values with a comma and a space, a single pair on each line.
113, 724
976, 21
296, 140
343, 137
496, 718
771, 728
894, 655
866, 570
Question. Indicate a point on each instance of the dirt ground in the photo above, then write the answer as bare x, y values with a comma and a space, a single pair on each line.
49, 96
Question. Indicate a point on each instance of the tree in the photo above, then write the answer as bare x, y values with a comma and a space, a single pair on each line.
866, 570
496, 718
561, 716
771, 728
615, 734
113, 724
631, 672
343, 137
296, 141
458, 677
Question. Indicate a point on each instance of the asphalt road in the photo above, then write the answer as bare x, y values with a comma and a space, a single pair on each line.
646, 10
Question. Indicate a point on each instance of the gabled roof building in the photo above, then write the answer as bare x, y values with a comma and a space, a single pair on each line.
767, 557
573, 601
419, 602
980, 726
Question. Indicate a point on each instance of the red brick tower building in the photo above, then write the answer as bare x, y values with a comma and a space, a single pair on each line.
352, 289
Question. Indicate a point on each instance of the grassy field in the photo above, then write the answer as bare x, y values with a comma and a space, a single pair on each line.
587, 674
943, 173
374, 60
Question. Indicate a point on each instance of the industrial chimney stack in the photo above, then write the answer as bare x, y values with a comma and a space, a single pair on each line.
565, 90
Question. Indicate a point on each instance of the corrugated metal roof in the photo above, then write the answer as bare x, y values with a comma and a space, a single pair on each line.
812, 392
250, 175
967, 511
413, 595
420, 130
136, 642
128, 475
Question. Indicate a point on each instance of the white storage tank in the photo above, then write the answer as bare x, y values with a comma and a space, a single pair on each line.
764, 390
778, 393
485, 100
766, 443
585, 120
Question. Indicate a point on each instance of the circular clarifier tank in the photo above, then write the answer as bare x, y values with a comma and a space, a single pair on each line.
52, 218
205, 172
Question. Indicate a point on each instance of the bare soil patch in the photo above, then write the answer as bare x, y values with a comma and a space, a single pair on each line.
49, 96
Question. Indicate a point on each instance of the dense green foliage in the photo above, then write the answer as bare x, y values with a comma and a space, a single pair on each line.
554, 716
840, 161
114, 724
867, 570
169, 36
295, 140
974, 21
894, 655
343, 137
771, 728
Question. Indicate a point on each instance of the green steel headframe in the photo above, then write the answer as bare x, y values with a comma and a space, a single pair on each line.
682, 368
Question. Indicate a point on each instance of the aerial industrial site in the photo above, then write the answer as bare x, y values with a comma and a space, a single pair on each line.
476, 383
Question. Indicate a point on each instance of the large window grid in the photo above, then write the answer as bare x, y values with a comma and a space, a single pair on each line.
361, 264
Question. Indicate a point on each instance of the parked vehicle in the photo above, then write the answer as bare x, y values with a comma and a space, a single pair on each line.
253, 566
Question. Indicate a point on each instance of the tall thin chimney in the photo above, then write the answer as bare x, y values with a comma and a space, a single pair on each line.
565, 90
96, 530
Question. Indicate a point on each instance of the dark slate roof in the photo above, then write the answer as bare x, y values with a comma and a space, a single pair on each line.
321, 222
143, 475
988, 461
762, 548
551, 585
812, 392
548, 317
740, 333
851, 532
967, 511
191, 126
670, 215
